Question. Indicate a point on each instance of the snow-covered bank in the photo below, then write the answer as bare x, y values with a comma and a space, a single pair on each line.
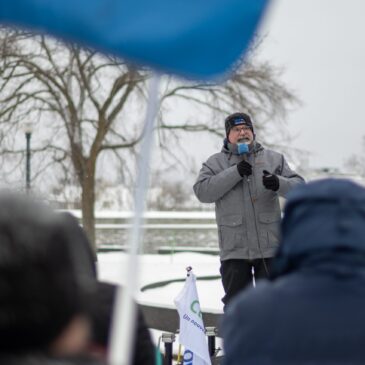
156, 268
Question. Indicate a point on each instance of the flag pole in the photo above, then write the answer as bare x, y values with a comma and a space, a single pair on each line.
124, 313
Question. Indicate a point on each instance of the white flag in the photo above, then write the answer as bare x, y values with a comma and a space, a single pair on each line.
192, 330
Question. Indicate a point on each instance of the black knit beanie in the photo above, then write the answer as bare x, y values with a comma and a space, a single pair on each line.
237, 119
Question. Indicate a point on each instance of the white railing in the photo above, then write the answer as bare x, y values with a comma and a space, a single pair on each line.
166, 231
169, 219
112, 214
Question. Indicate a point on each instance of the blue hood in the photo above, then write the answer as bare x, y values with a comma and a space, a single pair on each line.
323, 228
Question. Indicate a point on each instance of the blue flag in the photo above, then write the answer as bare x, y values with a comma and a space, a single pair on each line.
193, 38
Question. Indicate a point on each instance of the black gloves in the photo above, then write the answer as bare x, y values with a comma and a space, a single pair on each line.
270, 181
244, 168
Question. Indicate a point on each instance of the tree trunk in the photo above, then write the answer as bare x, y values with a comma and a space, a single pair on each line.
87, 207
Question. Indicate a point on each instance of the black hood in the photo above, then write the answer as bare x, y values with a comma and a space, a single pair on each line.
323, 228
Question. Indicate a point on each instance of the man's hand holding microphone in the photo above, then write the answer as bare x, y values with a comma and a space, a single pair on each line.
270, 181
244, 168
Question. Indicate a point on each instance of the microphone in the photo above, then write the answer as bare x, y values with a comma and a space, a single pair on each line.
242, 148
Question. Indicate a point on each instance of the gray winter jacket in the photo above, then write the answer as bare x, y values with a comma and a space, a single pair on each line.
247, 214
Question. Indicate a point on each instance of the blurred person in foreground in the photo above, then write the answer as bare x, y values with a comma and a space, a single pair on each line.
43, 304
52, 307
101, 301
245, 180
311, 311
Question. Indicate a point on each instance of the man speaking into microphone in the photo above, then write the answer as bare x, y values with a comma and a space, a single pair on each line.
245, 181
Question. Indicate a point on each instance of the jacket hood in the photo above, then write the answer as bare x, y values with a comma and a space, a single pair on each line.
323, 227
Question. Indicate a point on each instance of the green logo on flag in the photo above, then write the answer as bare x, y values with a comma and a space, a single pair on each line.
195, 308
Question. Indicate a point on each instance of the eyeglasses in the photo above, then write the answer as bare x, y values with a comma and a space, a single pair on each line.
237, 130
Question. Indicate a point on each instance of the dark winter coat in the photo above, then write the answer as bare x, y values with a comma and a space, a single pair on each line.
248, 215
101, 301
101, 314
42, 359
312, 312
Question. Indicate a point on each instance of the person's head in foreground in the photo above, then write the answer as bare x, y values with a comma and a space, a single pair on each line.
101, 301
42, 303
312, 310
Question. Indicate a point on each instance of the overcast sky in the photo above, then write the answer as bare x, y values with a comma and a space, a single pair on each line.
320, 43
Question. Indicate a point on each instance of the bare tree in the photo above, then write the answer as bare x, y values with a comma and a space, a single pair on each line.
255, 87
75, 96
82, 104
355, 164
167, 194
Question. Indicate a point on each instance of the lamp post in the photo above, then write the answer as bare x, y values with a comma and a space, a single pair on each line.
28, 133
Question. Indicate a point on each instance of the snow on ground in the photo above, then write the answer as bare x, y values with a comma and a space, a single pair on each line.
156, 268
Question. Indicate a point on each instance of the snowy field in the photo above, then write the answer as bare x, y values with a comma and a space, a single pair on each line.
156, 268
